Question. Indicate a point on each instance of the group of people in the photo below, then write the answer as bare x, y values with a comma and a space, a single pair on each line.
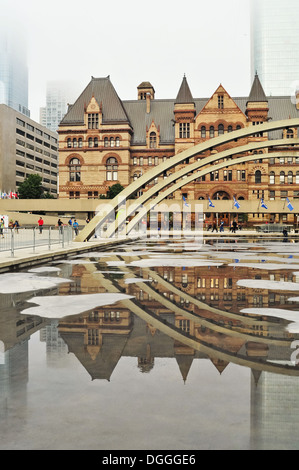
214, 228
11, 225
60, 225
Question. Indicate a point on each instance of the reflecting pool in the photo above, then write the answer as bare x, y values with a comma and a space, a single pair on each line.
158, 344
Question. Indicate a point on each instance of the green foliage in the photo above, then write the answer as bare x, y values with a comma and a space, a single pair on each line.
31, 188
112, 191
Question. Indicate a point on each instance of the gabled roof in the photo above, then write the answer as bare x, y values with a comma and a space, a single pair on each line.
257, 93
104, 92
184, 95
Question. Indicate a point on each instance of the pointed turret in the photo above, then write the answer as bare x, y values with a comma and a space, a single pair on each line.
257, 105
184, 95
257, 93
184, 112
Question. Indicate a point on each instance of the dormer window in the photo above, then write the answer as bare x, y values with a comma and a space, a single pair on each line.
153, 140
93, 121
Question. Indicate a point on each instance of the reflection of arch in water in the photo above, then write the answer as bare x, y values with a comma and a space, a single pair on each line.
205, 322
212, 352
215, 354
98, 220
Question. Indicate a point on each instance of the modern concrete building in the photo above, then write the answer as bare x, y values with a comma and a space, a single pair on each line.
13, 67
26, 148
104, 140
275, 45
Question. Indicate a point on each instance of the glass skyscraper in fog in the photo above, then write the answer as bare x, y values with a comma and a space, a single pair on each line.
13, 67
275, 45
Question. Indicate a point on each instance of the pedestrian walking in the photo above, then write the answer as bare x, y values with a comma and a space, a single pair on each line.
2, 228
70, 222
221, 226
16, 226
215, 227
235, 226
76, 227
60, 225
40, 224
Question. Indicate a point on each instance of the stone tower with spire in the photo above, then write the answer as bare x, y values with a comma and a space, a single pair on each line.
257, 105
184, 118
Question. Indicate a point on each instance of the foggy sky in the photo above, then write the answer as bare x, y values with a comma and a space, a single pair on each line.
133, 41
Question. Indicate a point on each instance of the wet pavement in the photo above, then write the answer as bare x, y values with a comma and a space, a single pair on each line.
153, 344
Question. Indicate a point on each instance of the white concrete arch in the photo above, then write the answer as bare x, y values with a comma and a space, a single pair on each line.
146, 208
87, 232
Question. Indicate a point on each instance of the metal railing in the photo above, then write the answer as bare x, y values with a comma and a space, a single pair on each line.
32, 237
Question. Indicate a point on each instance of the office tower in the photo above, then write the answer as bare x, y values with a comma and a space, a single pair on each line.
275, 45
59, 95
13, 67
26, 148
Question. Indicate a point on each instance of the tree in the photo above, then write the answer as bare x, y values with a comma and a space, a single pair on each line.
31, 188
112, 191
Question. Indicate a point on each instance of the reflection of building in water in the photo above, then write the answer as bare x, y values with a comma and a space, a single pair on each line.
274, 412
55, 346
97, 338
13, 378
202, 303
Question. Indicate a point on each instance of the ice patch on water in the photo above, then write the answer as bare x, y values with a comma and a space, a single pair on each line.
277, 313
137, 279
63, 306
115, 263
44, 269
151, 263
110, 272
76, 261
265, 284
11, 283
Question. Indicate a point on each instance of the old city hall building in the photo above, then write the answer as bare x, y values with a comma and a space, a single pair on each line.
104, 140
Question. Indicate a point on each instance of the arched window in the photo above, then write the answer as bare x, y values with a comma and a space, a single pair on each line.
290, 134
69, 143
290, 177
272, 178
258, 176
212, 132
297, 177
80, 143
203, 132
90, 142
75, 169
96, 142
106, 141
75, 143
282, 177
220, 129
153, 140
230, 129
117, 141
111, 169
112, 142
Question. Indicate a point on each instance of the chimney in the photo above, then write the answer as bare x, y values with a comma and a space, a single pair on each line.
148, 103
